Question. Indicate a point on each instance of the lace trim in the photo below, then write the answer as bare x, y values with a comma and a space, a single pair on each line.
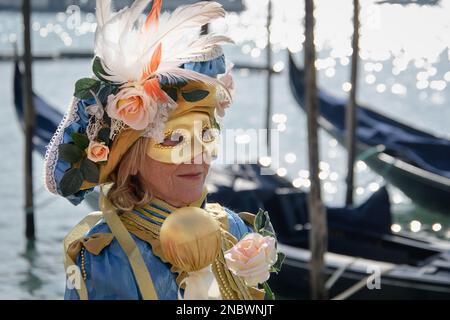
51, 155
93, 128
156, 128
116, 127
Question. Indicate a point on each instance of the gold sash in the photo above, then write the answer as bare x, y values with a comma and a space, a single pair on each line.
231, 287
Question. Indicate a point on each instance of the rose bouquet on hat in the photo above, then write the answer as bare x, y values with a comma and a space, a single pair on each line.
138, 70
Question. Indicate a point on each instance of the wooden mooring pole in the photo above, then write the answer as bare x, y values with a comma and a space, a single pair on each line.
269, 81
350, 117
29, 122
318, 238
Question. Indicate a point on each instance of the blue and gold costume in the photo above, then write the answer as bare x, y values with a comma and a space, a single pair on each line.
107, 271
153, 84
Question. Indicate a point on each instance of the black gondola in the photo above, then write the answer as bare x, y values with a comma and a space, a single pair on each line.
47, 118
414, 161
360, 239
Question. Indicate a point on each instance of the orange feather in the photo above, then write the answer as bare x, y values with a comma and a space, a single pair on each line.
153, 16
154, 62
153, 89
156, 58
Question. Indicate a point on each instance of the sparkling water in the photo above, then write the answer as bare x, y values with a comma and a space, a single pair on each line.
404, 73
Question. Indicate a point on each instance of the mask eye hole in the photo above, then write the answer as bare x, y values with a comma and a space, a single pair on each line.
208, 134
172, 139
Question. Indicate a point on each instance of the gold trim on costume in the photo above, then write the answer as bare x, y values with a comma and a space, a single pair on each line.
76, 233
140, 270
231, 286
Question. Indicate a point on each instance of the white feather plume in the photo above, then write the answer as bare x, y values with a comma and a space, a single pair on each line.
126, 48
185, 52
117, 46
184, 19
103, 11
130, 18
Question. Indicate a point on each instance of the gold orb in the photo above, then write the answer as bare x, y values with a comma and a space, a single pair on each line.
190, 238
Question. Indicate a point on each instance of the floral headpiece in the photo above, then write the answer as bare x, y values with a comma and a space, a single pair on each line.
138, 67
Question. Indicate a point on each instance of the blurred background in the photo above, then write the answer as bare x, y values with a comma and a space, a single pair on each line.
404, 73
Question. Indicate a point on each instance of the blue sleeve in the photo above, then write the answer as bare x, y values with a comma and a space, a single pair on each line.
210, 68
109, 275
72, 293
237, 226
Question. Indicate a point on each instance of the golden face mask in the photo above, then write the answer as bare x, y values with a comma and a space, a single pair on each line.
189, 131
186, 137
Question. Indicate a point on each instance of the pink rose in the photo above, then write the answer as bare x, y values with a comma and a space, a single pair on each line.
133, 106
221, 106
252, 257
224, 102
97, 152
228, 82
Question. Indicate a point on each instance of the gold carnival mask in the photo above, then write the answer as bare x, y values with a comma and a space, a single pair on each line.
189, 130
185, 138
192, 119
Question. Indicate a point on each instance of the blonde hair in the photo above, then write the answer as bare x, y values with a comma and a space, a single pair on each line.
128, 191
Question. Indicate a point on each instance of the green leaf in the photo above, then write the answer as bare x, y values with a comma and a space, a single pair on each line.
103, 135
268, 228
98, 69
89, 170
267, 233
260, 220
106, 90
195, 95
71, 182
80, 140
70, 152
180, 83
107, 119
171, 92
263, 225
84, 86
269, 293
216, 124
280, 259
